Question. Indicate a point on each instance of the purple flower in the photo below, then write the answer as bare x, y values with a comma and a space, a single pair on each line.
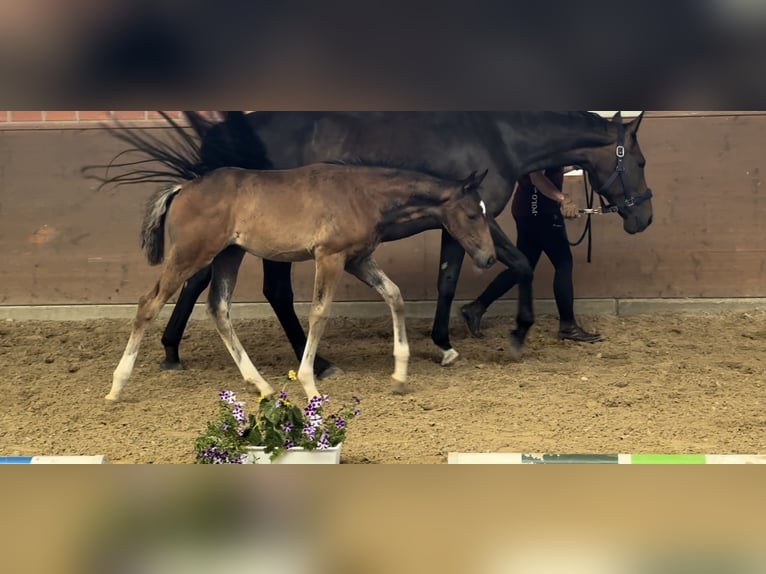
324, 441
283, 395
340, 423
357, 412
310, 411
214, 455
287, 427
356, 399
228, 397
316, 419
314, 404
289, 444
239, 414
310, 432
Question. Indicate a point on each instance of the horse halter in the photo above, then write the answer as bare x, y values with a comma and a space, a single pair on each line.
630, 200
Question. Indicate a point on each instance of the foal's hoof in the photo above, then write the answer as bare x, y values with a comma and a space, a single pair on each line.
171, 365
399, 387
449, 357
263, 393
329, 372
110, 400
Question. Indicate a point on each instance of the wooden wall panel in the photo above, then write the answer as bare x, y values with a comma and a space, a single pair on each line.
61, 242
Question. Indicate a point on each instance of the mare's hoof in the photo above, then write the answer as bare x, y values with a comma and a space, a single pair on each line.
449, 357
517, 345
515, 350
329, 373
472, 314
171, 365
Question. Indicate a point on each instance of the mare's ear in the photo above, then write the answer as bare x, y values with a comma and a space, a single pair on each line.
200, 124
632, 127
472, 182
236, 121
617, 117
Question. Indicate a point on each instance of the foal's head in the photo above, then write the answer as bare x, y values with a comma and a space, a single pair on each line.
464, 215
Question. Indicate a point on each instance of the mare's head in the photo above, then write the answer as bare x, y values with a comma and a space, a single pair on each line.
617, 175
464, 215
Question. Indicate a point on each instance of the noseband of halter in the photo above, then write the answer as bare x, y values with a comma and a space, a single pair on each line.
630, 200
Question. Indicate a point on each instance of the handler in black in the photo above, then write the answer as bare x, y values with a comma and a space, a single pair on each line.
539, 208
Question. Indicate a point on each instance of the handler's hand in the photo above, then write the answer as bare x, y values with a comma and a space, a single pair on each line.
569, 209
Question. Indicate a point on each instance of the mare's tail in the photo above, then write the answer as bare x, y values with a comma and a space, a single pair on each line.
179, 155
153, 226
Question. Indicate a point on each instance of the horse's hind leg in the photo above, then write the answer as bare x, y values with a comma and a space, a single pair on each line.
149, 307
224, 278
368, 272
171, 338
328, 271
278, 290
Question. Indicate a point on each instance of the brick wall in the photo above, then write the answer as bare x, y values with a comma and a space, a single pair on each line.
78, 119
71, 118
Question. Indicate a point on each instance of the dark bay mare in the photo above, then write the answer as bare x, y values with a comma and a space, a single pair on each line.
447, 144
334, 214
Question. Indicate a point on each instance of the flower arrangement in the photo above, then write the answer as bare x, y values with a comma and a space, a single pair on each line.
277, 425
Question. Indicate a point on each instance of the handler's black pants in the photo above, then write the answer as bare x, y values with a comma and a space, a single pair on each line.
537, 235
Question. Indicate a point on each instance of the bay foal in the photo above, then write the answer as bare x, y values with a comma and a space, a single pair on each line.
335, 214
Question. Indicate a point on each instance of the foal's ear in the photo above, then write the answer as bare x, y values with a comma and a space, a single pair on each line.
617, 117
472, 182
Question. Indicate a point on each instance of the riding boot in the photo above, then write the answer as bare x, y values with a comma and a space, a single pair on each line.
472, 314
574, 332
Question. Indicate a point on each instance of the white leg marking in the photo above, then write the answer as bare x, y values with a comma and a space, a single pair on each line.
369, 272
220, 314
124, 368
449, 357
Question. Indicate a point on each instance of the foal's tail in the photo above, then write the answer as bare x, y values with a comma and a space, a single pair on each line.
153, 227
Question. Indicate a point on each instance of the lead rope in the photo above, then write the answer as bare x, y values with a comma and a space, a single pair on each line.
589, 212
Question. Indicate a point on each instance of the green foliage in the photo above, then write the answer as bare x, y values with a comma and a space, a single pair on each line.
277, 425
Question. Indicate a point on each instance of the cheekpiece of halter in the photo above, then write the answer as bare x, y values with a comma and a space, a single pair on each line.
620, 149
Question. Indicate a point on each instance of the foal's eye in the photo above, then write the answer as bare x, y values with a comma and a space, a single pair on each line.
473, 216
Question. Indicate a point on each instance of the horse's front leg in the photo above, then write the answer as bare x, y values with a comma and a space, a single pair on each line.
369, 273
278, 290
521, 273
450, 262
329, 268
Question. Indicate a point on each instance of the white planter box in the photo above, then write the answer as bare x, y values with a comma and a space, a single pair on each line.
298, 455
